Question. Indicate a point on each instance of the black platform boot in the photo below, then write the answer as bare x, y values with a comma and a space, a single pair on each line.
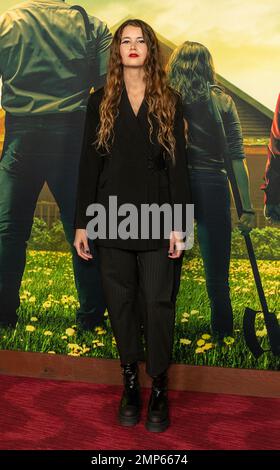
130, 405
158, 414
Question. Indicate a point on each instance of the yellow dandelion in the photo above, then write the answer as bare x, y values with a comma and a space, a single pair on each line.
194, 312
26, 292
48, 333
185, 341
73, 354
48, 272
73, 345
229, 340
199, 350
95, 341
33, 319
101, 332
64, 337
184, 320
86, 350
208, 346
186, 315
51, 352
200, 342
47, 304
261, 333
70, 331
30, 328
100, 344
32, 299
206, 336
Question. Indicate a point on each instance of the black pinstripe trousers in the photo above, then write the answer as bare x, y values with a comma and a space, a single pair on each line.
123, 273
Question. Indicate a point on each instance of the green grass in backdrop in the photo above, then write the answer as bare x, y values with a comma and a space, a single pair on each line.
49, 301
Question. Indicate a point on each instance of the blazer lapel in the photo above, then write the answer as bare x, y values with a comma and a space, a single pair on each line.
136, 129
144, 126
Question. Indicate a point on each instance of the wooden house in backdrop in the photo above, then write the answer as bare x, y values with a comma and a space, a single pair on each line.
256, 120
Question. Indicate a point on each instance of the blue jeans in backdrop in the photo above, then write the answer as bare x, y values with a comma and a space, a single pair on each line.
211, 198
38, 149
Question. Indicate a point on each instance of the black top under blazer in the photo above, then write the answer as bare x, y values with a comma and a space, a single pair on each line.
135, 170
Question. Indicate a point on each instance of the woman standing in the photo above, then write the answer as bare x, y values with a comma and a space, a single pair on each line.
271, 185
134, 149
189, 69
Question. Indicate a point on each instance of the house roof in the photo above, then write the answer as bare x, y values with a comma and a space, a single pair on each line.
245, 97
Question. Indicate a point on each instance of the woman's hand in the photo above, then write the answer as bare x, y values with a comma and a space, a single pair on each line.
246, 223
81, 244
176, 245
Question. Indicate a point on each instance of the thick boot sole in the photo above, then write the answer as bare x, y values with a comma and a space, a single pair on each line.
157, 427
129, 420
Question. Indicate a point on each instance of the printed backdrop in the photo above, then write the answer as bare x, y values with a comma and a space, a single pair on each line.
244, 40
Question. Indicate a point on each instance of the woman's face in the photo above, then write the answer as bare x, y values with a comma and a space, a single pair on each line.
133, 48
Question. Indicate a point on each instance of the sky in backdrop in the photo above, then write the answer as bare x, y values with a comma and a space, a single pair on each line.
243, 37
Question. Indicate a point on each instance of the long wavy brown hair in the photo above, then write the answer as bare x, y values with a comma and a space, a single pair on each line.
159, 96
189, 68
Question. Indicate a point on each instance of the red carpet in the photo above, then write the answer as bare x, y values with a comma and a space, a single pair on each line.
55, 415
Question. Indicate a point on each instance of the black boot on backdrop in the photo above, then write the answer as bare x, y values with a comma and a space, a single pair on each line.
158, 413
130, 405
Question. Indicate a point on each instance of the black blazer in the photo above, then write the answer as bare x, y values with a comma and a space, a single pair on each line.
135, 170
